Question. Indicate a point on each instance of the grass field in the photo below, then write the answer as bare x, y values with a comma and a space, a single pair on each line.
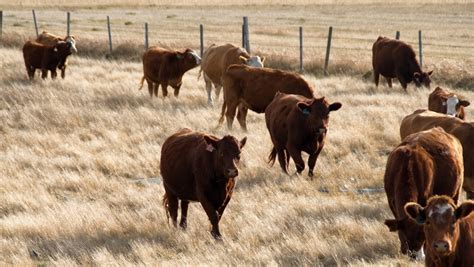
79, 161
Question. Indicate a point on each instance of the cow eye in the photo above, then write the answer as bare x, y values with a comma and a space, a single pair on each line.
427, 222
238, 157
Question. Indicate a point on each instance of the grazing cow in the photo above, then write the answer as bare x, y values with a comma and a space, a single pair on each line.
51, 40
296, 124
396, 59
199, 167
449, 231
217, 59
424, 164
464, 131
166, 67
255, 88
446, 102
39, 56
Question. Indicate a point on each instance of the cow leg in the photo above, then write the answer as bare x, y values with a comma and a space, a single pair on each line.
282, 159
312, 162
389, 81
210, 101
54, 74
218, 90
63, 72
211, 212
241, 116
296, 156
176, 90
230, 113
402, 81
150, 87
221, 209
44, 73
164, 87
376, 78
173, 208
31, 72
184, 214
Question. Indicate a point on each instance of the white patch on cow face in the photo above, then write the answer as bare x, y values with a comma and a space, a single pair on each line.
196, 57
71, 40
440, 209
420, 254
255, 62
451, 104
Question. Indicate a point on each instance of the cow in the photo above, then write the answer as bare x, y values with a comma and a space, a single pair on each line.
297, 124
443, 101
396, 59
449, 230
255, 88
199, 167
39, 56
49, 39
464, 131
217, 59
426, 163
166, 67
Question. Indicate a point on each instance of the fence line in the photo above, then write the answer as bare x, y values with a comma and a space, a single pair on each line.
110, 34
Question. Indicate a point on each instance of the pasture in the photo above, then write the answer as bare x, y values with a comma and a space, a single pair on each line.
79, 160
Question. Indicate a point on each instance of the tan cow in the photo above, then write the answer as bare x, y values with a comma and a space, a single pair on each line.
443, 101
464, 131
217, 59
49, 39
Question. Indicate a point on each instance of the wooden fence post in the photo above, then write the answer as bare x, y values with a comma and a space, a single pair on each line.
1, 23
201, 38
328, 50
243, 36
246, 34
110, 34
420, 45
146, 35
301, 49
397, 35
34, 19
68, 23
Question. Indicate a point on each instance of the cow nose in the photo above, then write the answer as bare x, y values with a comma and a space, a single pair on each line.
232, 173
441, 246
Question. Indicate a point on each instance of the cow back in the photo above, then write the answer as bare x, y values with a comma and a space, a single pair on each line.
390, 56
217, 59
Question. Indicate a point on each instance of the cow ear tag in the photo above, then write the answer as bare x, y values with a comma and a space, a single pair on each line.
210, 148
55, 49
305, 111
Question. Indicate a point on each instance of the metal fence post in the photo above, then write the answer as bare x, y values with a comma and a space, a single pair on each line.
328, 50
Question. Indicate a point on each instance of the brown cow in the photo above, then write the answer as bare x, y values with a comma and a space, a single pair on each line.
449, 231
199, 167
39, 56
217, 59
464, 131
424, 164
166, 67
255, 88
446, 102
296, 124
396, 59
49, 39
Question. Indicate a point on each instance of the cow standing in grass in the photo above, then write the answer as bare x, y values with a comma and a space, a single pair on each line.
443, 101
52, 40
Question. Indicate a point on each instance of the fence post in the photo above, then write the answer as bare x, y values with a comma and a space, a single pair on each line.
328, 50
110, 34
420, 45
34, 19
68, 23
246, 34
201, 38
243, 36
301, 49
1, 23
146, 35
397, 35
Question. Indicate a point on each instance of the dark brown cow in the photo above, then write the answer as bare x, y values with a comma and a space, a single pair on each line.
166, 67
449, 231
298, 124
443, 101
49, 39
217, 59
424, 164
39, 56
199, 167
464, 131
396, 59
255, 88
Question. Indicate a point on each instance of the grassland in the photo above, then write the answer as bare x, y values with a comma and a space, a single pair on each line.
79, 160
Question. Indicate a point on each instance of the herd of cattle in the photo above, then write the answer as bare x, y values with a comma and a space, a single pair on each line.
424, 174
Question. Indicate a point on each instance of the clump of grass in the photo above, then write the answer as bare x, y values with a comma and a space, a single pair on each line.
127, 23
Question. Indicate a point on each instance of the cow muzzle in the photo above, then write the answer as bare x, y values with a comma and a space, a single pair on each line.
232, 173
442, 247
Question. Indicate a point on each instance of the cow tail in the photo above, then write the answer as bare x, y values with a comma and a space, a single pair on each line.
141, 83
165, 205
221, 119
272, 156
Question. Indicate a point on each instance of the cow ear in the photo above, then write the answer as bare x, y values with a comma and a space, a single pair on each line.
242, 142
430, 72
304, 107
211, 143
393, 225
416, 212
335, 106
464, 209
464, 103
262, 59
243, 59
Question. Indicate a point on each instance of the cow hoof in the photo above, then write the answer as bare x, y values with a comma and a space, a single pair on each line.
311, 174
217, 236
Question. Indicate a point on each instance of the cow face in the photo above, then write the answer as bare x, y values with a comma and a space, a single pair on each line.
72, 40
254, 61
410, 234
317, 112
63, 48
422, 79
190, 57
226, 152
440, 220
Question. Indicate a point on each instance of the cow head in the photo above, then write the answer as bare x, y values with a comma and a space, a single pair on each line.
446, 102
455, 106
190, 58
410, 234
63, 49
72, 40
440, 220
422, 79
316, 110
254, 61
226, 154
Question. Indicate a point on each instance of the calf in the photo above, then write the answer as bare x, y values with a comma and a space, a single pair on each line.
449, 231
199, 167
446, 102
424, 164
51, 40
166, 67
297, 124
255, 88
396, 59
39, 56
